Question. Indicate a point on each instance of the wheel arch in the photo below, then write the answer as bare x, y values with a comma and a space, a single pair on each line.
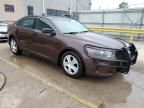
14, 36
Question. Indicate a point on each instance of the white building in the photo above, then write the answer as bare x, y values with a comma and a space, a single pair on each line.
11, 10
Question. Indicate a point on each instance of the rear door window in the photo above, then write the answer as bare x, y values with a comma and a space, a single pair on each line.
28, 23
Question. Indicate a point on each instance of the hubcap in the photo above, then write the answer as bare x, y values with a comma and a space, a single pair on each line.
13, 46
70, 64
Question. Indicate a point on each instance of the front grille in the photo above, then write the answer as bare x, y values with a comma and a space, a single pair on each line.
3, 32
123, 54
127, 54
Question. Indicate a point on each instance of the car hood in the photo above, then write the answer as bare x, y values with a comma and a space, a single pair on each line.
100, 40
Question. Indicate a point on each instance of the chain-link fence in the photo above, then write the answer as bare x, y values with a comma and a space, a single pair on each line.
119, 18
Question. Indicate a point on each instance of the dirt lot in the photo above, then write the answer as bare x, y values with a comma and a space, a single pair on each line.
35, 83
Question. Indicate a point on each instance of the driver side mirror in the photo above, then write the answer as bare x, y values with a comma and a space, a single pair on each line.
49, 31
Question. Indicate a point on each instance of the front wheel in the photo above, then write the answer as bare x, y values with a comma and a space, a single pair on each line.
72, 64
14, 47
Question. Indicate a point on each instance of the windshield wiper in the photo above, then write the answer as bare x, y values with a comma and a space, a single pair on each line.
70, 33
83, 31
75, 32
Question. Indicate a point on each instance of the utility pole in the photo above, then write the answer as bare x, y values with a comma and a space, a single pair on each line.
43, 7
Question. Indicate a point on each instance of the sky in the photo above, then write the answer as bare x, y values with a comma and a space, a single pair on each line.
113, 4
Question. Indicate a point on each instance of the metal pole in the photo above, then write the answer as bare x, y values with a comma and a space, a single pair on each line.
141, 22
71, 7
142, 18
77, 9
103, 20
43, 7
76, 6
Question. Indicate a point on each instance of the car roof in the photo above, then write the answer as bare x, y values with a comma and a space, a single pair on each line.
49, 17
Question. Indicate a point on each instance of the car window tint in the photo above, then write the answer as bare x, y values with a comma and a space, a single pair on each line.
41, 24
27, 23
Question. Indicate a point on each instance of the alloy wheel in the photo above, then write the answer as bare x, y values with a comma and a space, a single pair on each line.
70, 64
13, 45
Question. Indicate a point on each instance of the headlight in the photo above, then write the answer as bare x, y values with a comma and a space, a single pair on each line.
100, 53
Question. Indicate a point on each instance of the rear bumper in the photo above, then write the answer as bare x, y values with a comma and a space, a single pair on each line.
98, 67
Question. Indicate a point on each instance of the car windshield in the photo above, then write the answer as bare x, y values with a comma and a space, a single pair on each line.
66, 25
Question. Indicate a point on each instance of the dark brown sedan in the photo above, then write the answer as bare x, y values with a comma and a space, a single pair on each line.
66, 42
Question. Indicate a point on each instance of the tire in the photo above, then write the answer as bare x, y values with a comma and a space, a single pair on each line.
14, 47
72, 65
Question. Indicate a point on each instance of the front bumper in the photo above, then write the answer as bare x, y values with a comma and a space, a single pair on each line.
124, 59
3, 35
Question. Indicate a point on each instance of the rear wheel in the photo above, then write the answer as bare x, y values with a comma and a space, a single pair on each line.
72, 64
14, 47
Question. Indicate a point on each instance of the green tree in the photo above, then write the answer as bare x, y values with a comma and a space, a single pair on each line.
123, 5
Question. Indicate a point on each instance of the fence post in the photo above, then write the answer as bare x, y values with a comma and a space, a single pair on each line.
131, 37
103, 21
